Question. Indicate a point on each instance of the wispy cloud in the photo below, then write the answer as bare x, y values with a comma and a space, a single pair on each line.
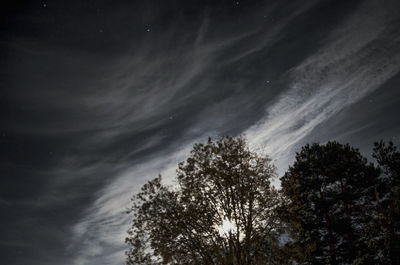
147, 90
344, 70
106, 222
93, 113
358, 57
166, 81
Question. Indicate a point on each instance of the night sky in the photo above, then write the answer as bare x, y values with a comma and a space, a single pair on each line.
98, 97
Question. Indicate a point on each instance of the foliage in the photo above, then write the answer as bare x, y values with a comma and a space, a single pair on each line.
333, 208
329, 193
221, 212
385, 230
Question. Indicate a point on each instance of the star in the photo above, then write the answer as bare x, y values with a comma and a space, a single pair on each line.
44, 5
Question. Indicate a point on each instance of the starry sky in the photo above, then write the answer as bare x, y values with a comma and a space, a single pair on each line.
98, 97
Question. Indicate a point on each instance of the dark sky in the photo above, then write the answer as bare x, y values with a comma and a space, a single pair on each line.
97, 97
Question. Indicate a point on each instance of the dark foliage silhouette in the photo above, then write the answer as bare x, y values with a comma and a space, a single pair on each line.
334, 207
221, 212
385, 231
330, 195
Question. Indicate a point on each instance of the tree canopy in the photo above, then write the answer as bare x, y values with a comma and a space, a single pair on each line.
334, 207
385, 235
221, 212
328, 187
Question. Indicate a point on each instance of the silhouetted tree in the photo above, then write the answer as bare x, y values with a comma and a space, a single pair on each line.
221, 212
384, 234
329, 194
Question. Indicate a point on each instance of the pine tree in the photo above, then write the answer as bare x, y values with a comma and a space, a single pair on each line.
329, 193
385, 235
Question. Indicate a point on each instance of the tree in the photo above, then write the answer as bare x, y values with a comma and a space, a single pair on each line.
222, 210
385, 231
329, 194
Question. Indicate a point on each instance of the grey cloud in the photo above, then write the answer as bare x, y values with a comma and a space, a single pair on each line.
85, 128
105, 222
337, 75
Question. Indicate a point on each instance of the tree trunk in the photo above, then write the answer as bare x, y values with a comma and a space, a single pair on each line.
331, 241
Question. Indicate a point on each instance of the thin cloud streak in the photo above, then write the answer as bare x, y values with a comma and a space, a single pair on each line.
89, 122
105, 223
319, 89
324, 84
